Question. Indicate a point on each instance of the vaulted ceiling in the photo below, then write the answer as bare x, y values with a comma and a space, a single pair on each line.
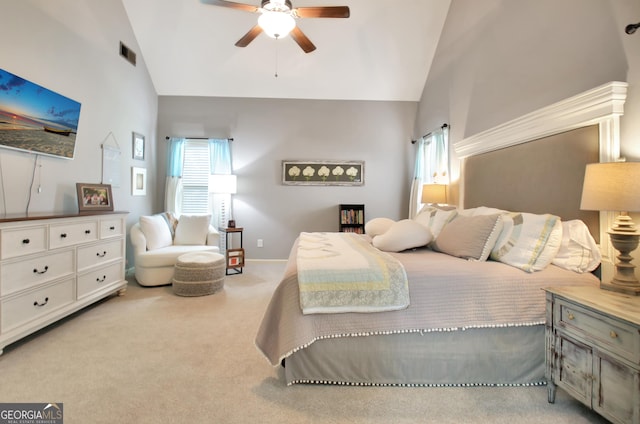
383, 51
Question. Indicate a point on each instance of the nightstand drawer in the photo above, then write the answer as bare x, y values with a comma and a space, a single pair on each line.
604, 332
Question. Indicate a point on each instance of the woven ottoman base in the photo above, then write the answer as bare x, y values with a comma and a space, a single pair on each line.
198, 274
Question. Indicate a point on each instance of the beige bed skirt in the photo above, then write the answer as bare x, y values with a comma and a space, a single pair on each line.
475, 357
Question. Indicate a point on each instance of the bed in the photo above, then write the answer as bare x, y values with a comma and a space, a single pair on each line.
469, 323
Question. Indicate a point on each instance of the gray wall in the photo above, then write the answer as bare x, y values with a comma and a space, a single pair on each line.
266, 131
500, 59
72, 48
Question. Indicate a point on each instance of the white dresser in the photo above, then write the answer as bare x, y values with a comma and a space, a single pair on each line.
54, 265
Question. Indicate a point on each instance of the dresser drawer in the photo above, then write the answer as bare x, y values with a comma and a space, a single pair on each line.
111, 228
35, 304
97, 254
22, 241
23, 274
604, 332
71, 234
99, 278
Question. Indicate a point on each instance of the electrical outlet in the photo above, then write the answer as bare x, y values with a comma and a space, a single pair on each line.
260, 243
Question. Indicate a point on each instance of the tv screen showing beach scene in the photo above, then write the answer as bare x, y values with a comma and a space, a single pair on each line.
35, 119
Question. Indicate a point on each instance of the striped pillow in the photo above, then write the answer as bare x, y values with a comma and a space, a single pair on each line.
528, 241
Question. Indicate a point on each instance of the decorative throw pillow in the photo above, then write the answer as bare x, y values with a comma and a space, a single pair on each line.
172, 222
578, 250
402, 235
192, 230
435, 219
528, 241
156, 231
469, 237
377, 226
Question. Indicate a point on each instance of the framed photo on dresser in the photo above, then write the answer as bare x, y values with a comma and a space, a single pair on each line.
94, 197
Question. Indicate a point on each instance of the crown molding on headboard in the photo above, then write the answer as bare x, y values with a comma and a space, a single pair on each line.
596, 106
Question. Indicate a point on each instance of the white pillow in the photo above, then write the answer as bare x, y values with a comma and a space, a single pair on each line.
377, 226
578, 250
402, 235
156, 231
528, 241
192, 230
485, 210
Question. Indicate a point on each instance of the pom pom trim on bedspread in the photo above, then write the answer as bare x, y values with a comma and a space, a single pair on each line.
407, 331
421, 331
365, 384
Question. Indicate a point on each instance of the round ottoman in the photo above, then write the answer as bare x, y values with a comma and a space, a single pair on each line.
198, 274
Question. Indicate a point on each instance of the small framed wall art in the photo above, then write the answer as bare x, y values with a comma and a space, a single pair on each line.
138, 181
138, 146
94, 197
341, 173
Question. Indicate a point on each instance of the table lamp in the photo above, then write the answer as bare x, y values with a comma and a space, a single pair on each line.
434, 193
615, 186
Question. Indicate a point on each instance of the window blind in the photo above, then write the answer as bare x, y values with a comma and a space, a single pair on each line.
195, 177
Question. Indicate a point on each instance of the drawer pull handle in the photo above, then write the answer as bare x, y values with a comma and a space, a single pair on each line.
26, 241
46, 268
101, 255
39, 305
613, 334
112, 228
101, 280
570, 316
63, 235
87, 231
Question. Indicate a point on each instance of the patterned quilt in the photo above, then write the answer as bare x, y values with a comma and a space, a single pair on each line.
343, 272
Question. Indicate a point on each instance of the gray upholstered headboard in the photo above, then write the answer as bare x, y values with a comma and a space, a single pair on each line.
540, 176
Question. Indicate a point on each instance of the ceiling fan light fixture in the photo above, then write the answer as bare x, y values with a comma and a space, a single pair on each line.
276, 24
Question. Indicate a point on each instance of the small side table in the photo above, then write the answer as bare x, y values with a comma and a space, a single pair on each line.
234, 257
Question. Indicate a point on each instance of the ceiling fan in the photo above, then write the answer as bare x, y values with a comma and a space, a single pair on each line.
277, 19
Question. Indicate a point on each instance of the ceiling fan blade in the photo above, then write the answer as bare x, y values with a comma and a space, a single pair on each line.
302, 40
232, 5
323, 12
249, 36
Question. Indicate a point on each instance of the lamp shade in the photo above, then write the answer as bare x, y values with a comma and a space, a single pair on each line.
223, 183
612, 186
276, 24
434, 193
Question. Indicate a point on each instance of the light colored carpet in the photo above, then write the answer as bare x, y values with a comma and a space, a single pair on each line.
153, 357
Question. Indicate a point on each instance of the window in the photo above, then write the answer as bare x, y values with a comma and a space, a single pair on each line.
195, 177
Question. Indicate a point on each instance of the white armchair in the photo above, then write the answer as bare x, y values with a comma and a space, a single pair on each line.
156, 249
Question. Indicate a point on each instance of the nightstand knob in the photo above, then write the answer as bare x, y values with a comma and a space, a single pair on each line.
613, 334
570, 315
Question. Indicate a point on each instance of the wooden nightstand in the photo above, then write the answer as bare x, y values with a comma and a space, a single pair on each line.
233, 257
593, 350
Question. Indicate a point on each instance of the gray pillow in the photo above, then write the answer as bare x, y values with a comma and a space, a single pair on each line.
469, 237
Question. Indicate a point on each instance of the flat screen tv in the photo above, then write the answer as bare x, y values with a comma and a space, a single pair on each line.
35, 119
